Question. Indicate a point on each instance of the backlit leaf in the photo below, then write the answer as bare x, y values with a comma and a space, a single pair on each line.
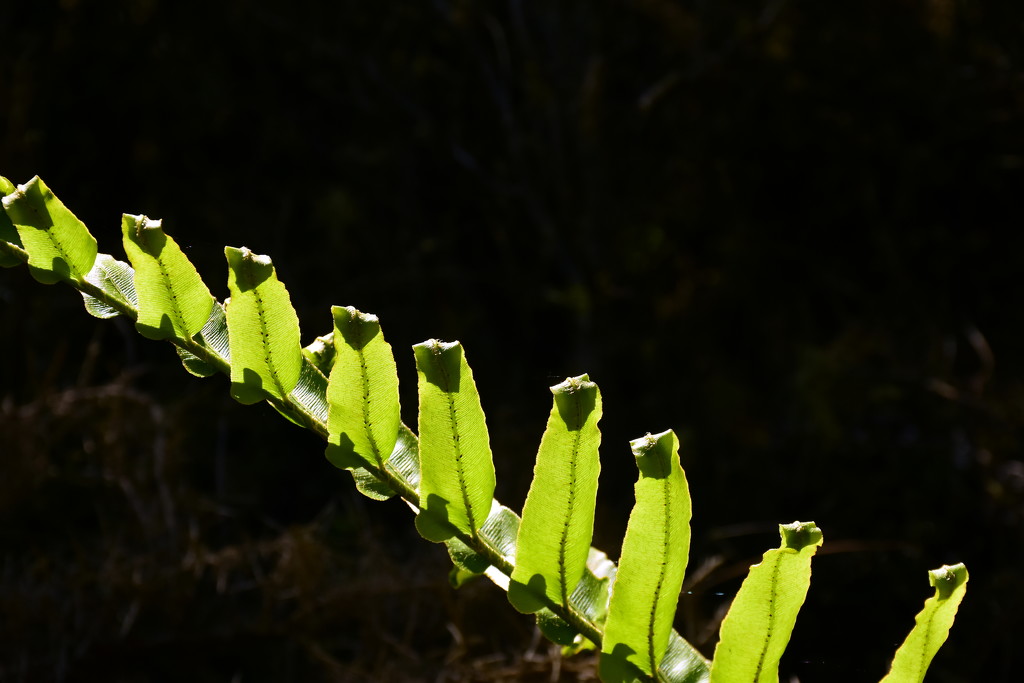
263, 329
456, 469
321, 353
682, 662
214, 336
757, 628
364, 412
558, 516
59, 245
8, 233
173, 300
931, 626
117, 280
654, 555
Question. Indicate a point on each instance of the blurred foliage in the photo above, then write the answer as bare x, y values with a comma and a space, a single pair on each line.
787, 230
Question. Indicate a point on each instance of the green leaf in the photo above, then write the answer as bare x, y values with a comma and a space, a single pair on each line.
594, 589
465, 558
263, 329
405, 458
558, 516
654, 556
499, 531
456, 469
8, 233
931, 626
364, 412
214, 336
683, 663
321, 353
59, 245
194, 364
555, 628
116, 279
459, 577
404, 461
311, 392
756, 630
173, 300
370, 486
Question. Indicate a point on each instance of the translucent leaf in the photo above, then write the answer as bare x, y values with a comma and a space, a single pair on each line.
8, 259
321, 353
370, 486
499, 531
362, 395
311, 392
654, 556
579, 644
405, 458
683, 663
760, 621
59, 245
931, 626
8, 233
558, 516
456, 469
465, 557
115, 278
194, 364
173, 300
555, 628
590, 598
459, 577
263, 329
214, 335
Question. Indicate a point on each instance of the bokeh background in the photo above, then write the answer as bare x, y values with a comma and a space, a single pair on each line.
790, 231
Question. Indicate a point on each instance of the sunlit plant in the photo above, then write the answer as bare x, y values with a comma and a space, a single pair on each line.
344, 387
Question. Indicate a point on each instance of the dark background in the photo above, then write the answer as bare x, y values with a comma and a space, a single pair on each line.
788, 230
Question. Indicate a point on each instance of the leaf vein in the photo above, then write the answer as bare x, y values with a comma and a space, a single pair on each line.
662, 569
367, 420
769, 631
459, 469
268, 357
573, 461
